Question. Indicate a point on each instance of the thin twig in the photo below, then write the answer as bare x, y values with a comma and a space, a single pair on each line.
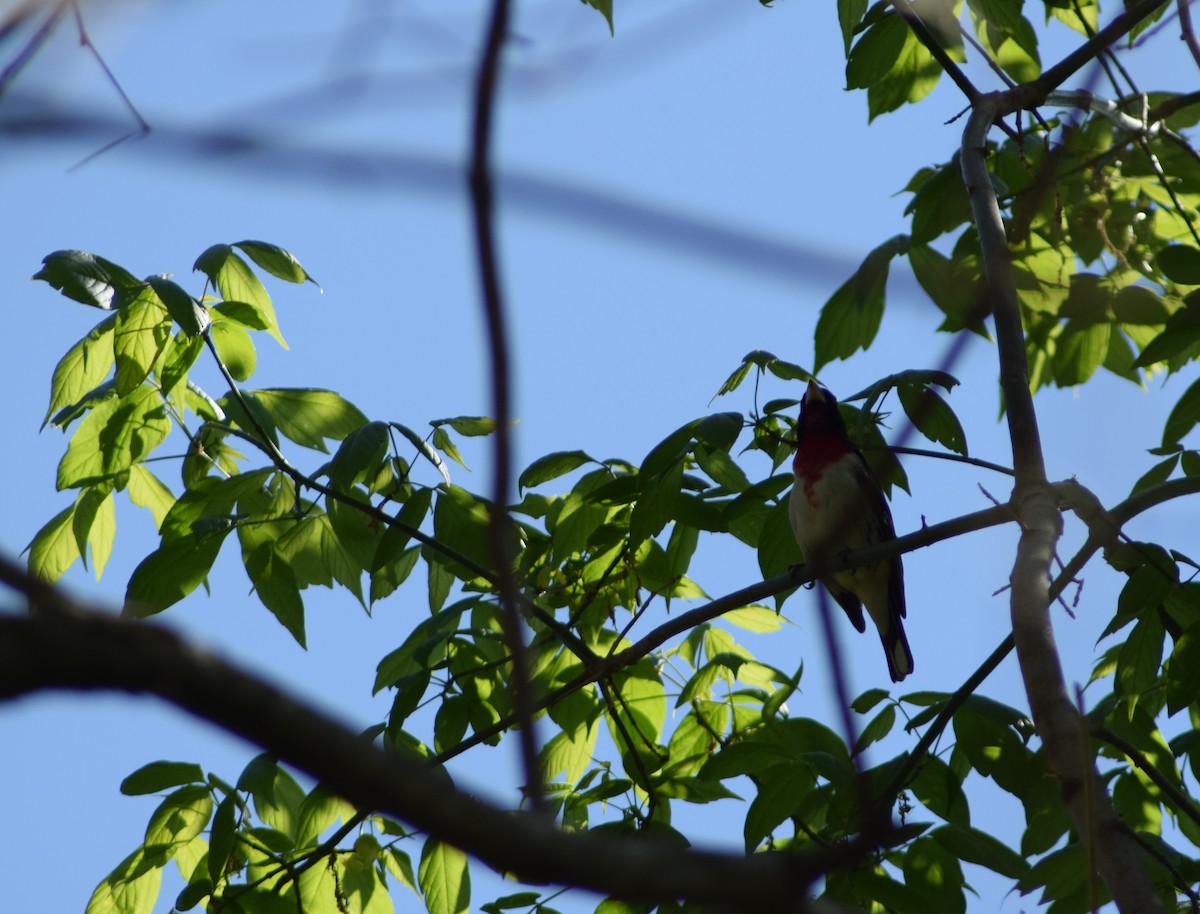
1189, 31
1185, 804
32, 46
927, 38
483, 213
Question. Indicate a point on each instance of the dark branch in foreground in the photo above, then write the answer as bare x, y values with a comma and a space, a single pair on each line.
64, 647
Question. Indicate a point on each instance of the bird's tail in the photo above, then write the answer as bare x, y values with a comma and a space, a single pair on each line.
896, 649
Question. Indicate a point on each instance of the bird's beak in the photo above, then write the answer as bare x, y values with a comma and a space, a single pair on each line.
814, 393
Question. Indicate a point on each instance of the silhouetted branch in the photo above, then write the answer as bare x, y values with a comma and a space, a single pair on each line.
483, 217
66, 646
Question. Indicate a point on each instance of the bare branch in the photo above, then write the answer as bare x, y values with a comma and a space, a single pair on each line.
482, 211
1189, 31
1058, 721
65, 646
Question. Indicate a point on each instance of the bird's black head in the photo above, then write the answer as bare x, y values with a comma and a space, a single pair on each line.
819, 414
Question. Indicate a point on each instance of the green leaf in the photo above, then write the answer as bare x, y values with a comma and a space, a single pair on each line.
934, 871
1180, 263
320, 811
86, 278
721, 468
1182, 671
444, 443
1183, 417
1079, 351
115, 435
979, 847
1139, 659
876, 52
933, 417
517, 900
131, 888
940, 790
605, 8
424, 448
191, 316
95, 522
953, 285
182, 353
171, 572
850, 13
471, 426
359, 456
234, 348
276, 261
277, 797
223, 837
238, 312
782, 788
656, 505
1181, 333
83, 368
758, 619
236, 282
777, 549
180, 817
551, 466
210, 498
851, 317
193, 893
912, 77
462, 520
142, 330
158, 776
310, 415
422, 649
940, 204
275, 583
444, 879
879, 727
54, 548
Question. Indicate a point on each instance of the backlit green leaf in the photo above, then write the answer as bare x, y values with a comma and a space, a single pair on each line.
86, 278
933, 417
115, 435
234, 347
551, 466
309, 415
171, 572
181, 816
191, 316
444, 879
276, 261
54, 548
275, 583
236, 282
1180, 263
141, 333
158, 776
85, 365
131, 888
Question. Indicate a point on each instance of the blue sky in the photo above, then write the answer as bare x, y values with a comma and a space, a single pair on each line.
671, 199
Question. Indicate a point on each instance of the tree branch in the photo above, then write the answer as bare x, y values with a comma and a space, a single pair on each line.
65, 646
483, 215
1058, 721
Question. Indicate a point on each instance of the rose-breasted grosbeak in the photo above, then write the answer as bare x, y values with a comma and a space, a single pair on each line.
836, 507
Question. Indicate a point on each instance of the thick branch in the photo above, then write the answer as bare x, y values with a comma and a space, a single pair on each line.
68, 649
1058, 721
1121, 26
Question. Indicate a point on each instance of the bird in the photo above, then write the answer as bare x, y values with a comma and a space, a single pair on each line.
836, 506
